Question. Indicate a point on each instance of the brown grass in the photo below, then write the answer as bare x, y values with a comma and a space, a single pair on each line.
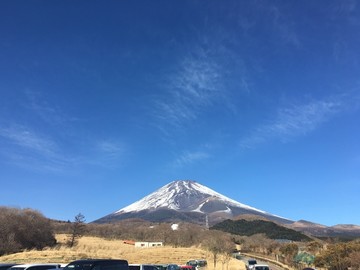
94, 247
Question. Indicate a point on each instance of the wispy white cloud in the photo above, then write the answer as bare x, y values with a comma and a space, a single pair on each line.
48, 112
189, 158
294, 120
29, 149
197, 85
284, 27
28, 139
110, 153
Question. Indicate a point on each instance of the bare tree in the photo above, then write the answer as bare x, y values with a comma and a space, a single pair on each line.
77, 229
355, 260
24, 229
218, 243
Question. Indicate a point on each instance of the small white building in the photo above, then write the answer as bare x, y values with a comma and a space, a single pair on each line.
148, 244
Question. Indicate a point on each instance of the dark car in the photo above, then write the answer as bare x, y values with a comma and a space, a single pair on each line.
197, 263
172, 267
4, 266
160, 266
98, 264
250, 264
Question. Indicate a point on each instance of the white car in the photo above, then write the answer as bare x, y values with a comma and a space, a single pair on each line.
133, 266
40, 266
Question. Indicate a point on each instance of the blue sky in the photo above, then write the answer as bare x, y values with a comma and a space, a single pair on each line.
102, 103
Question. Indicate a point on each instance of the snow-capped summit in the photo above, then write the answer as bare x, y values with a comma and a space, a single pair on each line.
182, 195
187, 201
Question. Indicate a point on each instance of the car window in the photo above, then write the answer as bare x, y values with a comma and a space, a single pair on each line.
41, 267
79, 266
111, 266
262, 268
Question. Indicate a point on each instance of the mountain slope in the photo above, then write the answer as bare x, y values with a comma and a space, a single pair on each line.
346, 230
250, 227
189, 201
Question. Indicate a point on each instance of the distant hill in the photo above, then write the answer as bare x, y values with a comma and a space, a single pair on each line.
250, 227
343, 231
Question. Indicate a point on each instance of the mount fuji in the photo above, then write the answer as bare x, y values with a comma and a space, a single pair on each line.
187, 201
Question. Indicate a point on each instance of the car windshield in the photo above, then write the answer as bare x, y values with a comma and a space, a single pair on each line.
79, 266
96, 266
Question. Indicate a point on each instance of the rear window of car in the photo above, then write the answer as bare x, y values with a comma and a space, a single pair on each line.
261, 268
97, 266
41, 267
149, 267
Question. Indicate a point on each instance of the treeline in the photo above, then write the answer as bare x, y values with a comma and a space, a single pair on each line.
139, 230
219, 244
24, 229
252, 227
340, 256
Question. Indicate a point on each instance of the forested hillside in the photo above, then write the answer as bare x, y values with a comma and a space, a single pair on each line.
270, 229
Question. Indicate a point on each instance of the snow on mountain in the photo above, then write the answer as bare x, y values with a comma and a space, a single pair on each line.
189, 201
169, 197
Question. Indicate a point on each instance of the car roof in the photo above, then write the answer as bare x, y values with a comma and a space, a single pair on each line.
99, 260
35, 264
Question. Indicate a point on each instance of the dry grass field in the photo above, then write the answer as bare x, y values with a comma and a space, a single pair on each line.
94, 247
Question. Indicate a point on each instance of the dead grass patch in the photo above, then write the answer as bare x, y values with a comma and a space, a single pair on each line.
94, 247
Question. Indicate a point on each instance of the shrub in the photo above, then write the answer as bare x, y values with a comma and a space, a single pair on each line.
24, 229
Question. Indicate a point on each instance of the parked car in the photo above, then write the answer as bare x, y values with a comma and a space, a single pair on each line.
261, 267
40, 266
142, 267
188, 267
4, 266
198, 263
172, 267
250, 264
98, 264
160, 266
